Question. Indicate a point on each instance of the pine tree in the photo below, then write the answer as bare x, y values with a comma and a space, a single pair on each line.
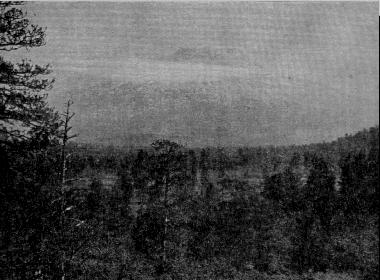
193, 166
204, 167
24, 113
321, 191
153, 233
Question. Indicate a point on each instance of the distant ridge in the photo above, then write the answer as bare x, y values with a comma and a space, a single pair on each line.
232, 112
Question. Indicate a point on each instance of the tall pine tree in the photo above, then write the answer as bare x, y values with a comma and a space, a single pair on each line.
24, 113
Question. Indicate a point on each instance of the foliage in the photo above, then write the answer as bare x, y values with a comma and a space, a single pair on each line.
24, 113
291, 213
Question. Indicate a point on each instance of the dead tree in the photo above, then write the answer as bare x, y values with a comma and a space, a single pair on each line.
67, 116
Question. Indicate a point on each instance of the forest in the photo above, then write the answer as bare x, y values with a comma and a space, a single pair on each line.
71, 210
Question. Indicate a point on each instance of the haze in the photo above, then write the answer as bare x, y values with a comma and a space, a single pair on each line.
240, 73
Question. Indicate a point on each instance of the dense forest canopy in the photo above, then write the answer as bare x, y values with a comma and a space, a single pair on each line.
169, 211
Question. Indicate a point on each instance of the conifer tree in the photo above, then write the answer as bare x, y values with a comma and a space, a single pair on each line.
24, 112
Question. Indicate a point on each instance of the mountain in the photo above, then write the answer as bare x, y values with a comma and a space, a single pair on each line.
229, 112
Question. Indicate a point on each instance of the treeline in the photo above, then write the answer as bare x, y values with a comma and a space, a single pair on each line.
69, 211
263, 159
308, 215
173, 215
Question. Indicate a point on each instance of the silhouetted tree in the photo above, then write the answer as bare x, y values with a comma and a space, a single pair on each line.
284, 188
193, 165
24, 113
204, 165
167, 178
319, 198
359, 185
321, 192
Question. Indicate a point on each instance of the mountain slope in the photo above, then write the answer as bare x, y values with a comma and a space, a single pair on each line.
229, 112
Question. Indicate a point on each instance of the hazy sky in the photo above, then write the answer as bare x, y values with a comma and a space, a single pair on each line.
324, 54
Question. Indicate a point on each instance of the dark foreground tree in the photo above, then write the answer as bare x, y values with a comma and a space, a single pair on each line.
24, 113
30, 133
359, 186
157, 227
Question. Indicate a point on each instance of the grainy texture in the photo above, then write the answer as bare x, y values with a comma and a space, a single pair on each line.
195, 157
248, 73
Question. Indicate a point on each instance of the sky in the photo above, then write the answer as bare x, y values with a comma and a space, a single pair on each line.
313, 65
